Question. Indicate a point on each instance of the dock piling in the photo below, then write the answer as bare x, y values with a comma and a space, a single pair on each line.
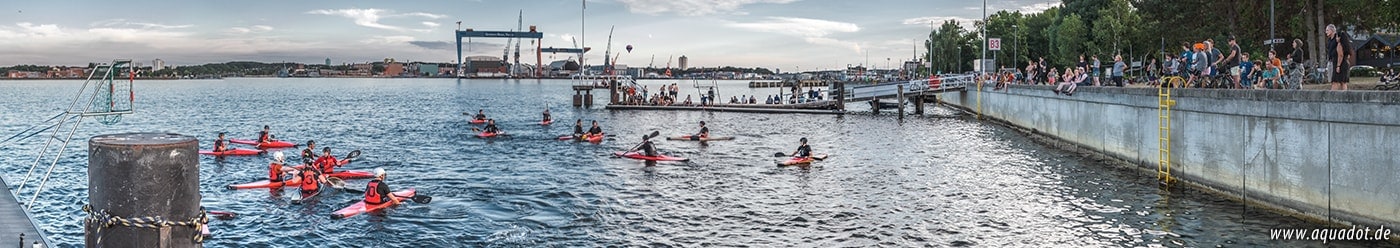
919, 104
899, 94
148, 184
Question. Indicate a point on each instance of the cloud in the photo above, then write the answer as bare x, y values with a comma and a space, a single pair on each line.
251, 29
811, 30
691, 7
966, 23
1038, 7
434, 45
431, 24
370, 17
123, 23
51, 43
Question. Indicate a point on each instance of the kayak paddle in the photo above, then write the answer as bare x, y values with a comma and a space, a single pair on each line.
785, 155
223, 215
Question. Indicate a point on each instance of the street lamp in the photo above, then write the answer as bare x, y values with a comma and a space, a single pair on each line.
1016, 42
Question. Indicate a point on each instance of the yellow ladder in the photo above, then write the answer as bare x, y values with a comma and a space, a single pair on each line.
1164, 130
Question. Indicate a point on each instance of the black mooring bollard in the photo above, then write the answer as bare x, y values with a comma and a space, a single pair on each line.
138, 175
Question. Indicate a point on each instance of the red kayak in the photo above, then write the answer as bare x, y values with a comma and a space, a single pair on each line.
360, 207
345, 174
489, 135
234, 152
802, 161
546, 123
264, 145
477, 121
636, 155
267, 184
594, 138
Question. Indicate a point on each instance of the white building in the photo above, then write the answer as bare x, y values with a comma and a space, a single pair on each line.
157, 65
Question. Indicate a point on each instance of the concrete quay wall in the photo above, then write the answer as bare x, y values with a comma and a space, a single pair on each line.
1334, 156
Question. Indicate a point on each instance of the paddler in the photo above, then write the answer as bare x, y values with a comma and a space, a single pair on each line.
310, 180
377, 192
480, 114
578, 129
308, 155
219, 144
546, 116
595, 130
803, 151
703, 134
327, 162
275, 171
265, 136
646, 147
491, 126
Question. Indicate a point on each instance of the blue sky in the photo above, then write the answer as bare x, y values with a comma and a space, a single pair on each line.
782, 34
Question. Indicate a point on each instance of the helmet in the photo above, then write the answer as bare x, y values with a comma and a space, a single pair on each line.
379, 172
803, 140
702, 123
278, 156
265, 127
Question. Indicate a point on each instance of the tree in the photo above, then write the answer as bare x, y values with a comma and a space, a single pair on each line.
1116, 28
1070, 38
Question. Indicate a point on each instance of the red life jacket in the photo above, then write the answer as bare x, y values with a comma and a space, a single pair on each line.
308, 181
327, 163
372, 195
274, 173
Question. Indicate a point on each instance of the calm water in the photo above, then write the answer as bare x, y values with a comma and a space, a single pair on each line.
939, 180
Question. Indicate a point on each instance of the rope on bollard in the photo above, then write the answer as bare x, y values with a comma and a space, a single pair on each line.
104, 219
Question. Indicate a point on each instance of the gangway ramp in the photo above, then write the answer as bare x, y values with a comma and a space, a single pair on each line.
913, 87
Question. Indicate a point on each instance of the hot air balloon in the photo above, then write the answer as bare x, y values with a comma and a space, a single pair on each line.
629, 48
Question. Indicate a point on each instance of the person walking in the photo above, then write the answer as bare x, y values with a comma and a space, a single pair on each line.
1338, 50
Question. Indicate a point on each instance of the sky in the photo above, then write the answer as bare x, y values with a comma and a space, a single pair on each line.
786, 35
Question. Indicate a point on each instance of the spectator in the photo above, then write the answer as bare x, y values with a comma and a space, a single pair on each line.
1296, 57
1201, 68
1270, 76
1067, 87
1187, 58
1043, 75
1118, 68
1152, 70
1214, 57
1082, 64
1232, 61
1050, 78
1273, 60
1030, 72
1246, 69
1095, 71
1338, 50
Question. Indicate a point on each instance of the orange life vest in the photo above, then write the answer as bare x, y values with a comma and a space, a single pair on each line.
327, 163
372, 195
308, 181
274, 173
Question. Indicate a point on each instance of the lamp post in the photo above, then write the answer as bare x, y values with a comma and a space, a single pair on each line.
1016, 43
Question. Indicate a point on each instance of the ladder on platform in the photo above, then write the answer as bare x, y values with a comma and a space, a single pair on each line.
1164, 130
108, 96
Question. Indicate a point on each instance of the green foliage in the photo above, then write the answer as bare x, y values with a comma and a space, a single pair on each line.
1070, 40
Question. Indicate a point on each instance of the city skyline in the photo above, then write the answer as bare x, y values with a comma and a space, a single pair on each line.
779, 34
